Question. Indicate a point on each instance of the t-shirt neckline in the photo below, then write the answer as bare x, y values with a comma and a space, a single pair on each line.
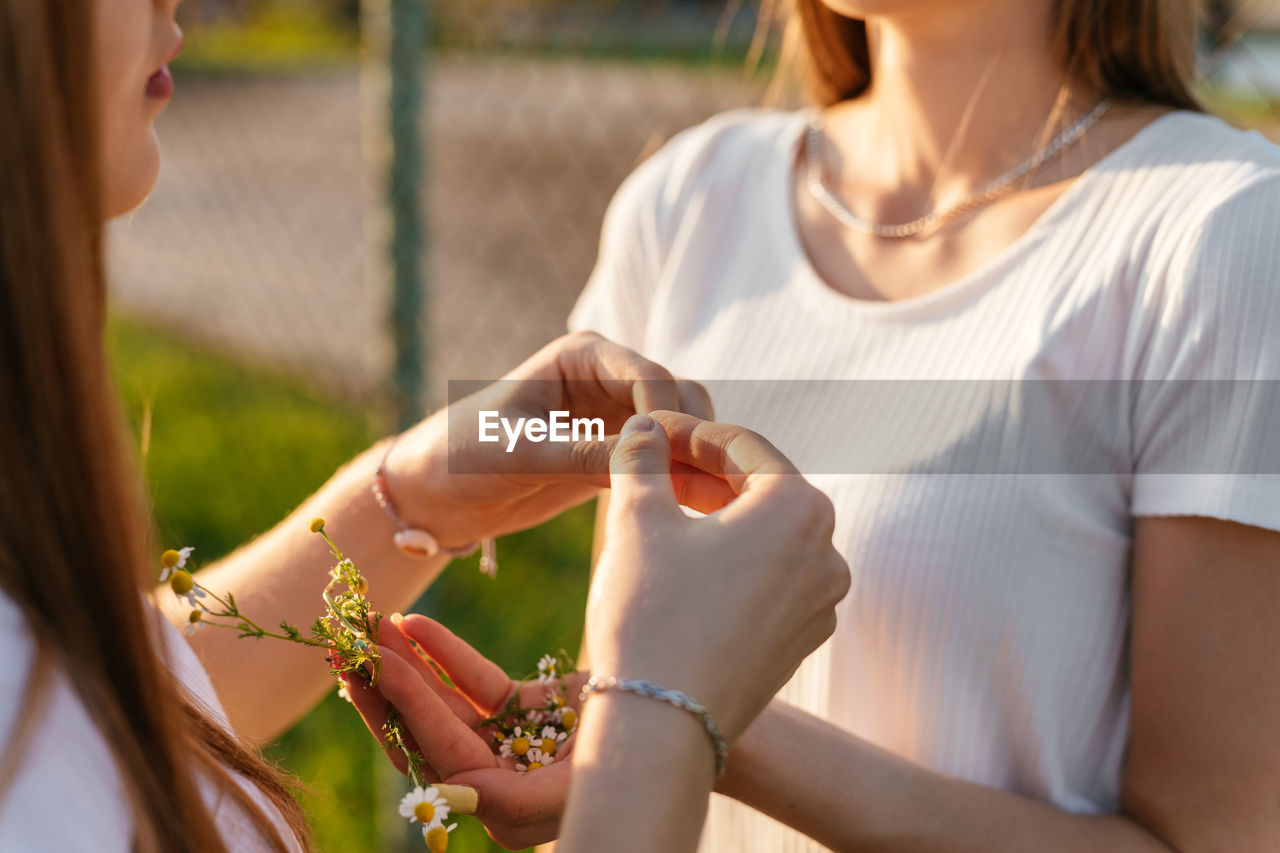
828, 298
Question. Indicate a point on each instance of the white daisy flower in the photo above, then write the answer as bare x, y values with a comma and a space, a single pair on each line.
342, 692
536, 717
536, 758
547, 669
425, 806
179, 562
518, 743
568, 718
193, 622
194, 595
550, 740
437, 837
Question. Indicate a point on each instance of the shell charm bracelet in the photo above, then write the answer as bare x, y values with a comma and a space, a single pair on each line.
673, 697
422, 544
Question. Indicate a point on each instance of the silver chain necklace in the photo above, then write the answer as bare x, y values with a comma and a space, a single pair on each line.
837, 208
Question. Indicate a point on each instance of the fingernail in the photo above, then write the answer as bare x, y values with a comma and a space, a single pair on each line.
396, 619
636, 424
461, 798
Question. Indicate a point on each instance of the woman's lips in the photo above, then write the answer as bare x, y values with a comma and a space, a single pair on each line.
160, 86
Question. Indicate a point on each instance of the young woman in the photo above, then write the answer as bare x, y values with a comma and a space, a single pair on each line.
992, 190
118, 735
1075, 653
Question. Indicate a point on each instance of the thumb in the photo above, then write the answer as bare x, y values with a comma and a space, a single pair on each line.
640, 466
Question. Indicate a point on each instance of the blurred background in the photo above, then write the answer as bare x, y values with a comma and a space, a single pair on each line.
262, 295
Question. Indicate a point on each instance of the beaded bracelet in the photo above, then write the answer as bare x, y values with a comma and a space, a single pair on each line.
674, 697
418, 543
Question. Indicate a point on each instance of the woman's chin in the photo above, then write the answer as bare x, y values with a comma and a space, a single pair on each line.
130, 180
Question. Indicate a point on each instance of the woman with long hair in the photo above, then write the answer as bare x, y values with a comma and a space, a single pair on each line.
118, 734
1070, 648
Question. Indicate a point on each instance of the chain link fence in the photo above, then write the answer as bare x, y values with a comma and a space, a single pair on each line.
264, 235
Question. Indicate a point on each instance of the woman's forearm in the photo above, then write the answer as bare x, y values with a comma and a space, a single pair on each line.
266, 685
849, 795
642, 774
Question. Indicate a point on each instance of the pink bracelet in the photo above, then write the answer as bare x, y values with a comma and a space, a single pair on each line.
418, 543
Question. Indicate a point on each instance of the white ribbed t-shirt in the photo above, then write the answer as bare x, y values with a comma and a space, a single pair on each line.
985, 633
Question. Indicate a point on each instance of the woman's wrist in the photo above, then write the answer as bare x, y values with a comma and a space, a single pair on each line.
416, 482
635, 750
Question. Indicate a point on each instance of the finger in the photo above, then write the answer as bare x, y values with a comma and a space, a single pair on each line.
535, 693
393, 637
582, 465
515, 800
699, 490
480, 679
640, 469
448, 745
738, 455
622, 373
694, 400
374, 709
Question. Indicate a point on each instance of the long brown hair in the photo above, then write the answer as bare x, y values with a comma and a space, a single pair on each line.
73, 522
1128, 50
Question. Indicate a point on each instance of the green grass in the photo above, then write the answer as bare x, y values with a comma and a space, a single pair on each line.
275, 40
233, 449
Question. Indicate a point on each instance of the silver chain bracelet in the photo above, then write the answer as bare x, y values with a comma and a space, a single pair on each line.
672, 697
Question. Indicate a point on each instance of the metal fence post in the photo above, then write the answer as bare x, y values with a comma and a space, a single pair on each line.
405, 179
394, 43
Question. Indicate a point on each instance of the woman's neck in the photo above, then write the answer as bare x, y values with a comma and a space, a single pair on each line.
960, 93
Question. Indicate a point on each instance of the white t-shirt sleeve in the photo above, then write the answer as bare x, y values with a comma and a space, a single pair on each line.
618, 296
66, 794
1206, 419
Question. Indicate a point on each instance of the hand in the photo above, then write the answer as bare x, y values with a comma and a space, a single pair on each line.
519, 809
450, 483
696, 590
674, 600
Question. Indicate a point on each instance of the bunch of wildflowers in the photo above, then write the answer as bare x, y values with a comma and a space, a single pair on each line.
532, 736
347, 632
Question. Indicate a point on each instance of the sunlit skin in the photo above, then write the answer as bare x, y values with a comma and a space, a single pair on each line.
136, 39
961, 92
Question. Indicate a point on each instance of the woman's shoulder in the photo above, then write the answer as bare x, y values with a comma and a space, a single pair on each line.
720, 149
1207, 161
713, 163
1217, 182
748, 132
64, 791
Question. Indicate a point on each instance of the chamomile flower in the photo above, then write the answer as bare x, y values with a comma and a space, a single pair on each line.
536, 717
437, 837
342, 692
536, 758
172, 560
194, 595
193, 621
568, 719
548, 669
184, 586
425, 806
550, 740
518, 743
